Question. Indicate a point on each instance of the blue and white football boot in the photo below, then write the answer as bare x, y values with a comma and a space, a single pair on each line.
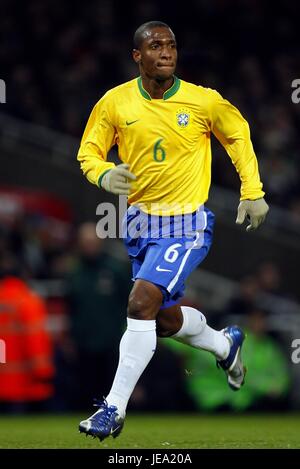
233, 365
103, 423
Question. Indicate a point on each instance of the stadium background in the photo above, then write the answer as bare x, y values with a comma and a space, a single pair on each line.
57, 59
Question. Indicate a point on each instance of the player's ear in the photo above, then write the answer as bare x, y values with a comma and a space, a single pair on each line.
136, 56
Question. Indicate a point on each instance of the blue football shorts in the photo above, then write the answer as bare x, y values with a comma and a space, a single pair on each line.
165, 250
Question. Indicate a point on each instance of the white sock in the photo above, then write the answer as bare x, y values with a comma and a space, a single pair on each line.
136, 350
198, 334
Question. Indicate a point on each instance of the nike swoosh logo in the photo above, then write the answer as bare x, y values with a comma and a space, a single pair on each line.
115, 429
159, 269
131, 122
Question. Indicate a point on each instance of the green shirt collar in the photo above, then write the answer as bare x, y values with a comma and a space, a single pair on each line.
167, 94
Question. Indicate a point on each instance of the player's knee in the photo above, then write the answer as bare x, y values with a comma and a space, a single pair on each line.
144, 301
143, 308
163, 332
169, 321
166, 327
138, 308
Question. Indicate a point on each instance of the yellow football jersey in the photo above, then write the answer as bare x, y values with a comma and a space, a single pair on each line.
166, 142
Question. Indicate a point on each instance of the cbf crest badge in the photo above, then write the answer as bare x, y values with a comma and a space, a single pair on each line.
183, 118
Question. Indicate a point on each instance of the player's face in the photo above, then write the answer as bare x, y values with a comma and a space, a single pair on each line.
157, 55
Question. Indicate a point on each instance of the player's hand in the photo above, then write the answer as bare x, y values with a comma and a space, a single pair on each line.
255, 210
116, 180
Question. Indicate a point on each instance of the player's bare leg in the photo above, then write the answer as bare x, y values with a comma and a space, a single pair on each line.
137, 347
189, 326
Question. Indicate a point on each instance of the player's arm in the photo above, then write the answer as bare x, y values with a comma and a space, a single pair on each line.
98, 138
232, 130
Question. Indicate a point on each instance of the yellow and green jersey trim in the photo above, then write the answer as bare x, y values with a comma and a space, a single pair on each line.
167, 94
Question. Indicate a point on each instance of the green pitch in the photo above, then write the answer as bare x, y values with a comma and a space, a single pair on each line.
156, 431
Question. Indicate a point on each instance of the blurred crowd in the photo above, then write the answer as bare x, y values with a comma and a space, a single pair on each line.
59, 58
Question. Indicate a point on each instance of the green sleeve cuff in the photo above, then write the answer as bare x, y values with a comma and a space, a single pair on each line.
101, 177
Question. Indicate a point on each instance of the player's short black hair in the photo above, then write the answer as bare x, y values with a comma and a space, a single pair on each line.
139, 34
